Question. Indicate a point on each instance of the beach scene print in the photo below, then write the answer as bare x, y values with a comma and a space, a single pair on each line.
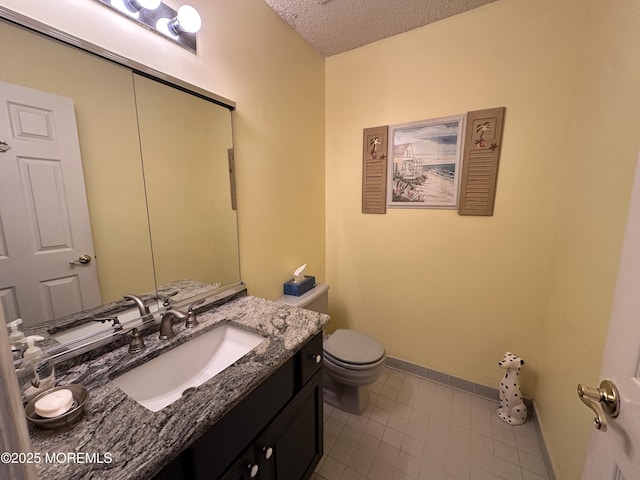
425, 158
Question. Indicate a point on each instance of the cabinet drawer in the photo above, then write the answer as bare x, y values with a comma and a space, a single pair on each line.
309, 360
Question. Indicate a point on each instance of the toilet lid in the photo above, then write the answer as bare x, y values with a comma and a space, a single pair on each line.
353, 347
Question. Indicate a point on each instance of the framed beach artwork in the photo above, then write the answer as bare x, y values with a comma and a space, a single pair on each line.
424, 163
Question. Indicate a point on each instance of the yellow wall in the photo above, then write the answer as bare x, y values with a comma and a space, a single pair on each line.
453, 293
600, 160
277, 81
440, 288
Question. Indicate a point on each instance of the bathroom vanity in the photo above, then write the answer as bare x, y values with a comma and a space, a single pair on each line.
261, 416
278, 429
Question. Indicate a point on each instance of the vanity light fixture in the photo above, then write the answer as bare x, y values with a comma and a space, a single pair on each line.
132, 8
180, 26
138, 5
187, 20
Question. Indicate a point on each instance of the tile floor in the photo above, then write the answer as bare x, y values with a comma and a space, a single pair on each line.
415, 429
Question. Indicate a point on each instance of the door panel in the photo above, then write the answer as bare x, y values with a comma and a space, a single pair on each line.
43, 190
29, 122
61, 295
41, 180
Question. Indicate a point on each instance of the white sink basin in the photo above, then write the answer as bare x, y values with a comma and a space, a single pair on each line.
162, 380
129, 319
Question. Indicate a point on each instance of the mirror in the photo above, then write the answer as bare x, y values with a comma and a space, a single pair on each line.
185, 144
133, 131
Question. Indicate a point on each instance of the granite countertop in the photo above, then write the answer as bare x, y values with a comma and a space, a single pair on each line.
117, 438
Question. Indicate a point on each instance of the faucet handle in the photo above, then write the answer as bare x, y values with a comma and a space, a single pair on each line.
137, 343
166, 300
199, 302
191, 321
116, 323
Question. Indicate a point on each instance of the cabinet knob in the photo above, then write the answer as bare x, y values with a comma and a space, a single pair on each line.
253, 470
268, 451
317, 358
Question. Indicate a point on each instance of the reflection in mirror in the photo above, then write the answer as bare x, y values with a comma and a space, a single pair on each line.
44, 217
185, 143
108, 135
193, 229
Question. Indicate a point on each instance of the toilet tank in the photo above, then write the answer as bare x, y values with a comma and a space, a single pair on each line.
316, 299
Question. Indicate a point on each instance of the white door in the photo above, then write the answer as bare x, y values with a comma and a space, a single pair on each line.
614, 454
44, 218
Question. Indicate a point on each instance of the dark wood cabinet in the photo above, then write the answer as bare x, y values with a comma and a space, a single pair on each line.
274, 433
294, 438
290, 447
244, 468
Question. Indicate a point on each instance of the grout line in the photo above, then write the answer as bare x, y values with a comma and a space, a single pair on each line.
449, 380
546, 458
475, 389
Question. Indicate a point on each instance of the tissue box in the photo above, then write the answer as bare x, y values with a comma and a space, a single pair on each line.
297, 289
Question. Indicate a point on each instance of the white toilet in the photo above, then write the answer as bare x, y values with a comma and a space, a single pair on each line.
352, 360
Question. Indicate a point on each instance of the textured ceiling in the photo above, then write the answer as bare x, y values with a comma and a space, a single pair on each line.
335, 26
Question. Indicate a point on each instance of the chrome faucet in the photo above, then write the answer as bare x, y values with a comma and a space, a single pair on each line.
142, 306
166, 324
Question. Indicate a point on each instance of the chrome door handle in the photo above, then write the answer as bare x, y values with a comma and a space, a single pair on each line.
82, 260
602, 400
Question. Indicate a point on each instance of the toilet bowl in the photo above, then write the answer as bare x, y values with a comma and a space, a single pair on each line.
352, 360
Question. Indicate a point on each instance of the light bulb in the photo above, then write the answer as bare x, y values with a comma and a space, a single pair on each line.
149, 4
188, 19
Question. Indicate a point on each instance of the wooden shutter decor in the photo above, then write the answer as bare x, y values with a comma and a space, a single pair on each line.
481, 155
374, 170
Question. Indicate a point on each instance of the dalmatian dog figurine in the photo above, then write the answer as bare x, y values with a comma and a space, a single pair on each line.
512, 409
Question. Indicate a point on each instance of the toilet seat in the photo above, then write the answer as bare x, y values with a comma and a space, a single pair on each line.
329, 360
353, 350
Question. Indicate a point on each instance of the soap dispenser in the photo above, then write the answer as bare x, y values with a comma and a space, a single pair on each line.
16, 338
37, 373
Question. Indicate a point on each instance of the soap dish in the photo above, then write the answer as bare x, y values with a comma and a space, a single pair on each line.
80, 397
